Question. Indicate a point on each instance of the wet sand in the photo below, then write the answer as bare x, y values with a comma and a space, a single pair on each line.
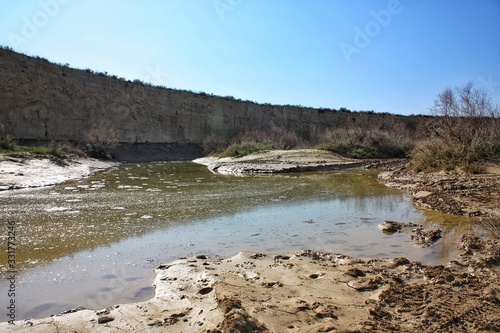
304, 292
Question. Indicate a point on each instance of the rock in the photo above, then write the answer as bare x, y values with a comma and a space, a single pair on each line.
418, 234
354, 272
424, 237
364, 284
105, 319
471, 242
280, 161
422, 194
390, 227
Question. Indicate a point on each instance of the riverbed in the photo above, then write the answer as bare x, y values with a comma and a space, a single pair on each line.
94, 242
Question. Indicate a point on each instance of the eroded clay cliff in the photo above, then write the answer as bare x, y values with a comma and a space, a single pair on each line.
45, 101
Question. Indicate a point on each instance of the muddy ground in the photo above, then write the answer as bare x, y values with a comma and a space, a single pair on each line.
471, 195
305, 292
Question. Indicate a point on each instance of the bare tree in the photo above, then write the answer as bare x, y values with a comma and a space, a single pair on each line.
466, 101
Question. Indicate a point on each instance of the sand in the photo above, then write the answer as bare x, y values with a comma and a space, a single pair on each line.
25, 172
304, 292
280, 161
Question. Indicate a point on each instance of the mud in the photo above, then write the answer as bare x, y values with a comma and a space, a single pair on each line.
306, 291
463, 296
470, 195
419, 235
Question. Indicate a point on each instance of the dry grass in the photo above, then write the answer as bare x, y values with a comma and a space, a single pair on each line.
492, 225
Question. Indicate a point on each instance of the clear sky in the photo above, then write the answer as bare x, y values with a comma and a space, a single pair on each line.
383, 55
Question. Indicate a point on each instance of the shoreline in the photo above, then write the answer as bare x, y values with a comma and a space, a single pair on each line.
31, 172
467, 195
280, 161
304, 291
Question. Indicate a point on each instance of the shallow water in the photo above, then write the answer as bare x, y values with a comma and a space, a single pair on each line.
94, 242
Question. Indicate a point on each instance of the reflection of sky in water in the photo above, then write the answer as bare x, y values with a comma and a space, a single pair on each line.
94, 242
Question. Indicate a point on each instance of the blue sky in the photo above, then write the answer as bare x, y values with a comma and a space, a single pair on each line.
387, 56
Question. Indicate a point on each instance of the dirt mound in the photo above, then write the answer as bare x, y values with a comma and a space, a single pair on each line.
280, 161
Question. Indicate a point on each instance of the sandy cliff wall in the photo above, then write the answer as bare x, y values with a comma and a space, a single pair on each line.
44, 101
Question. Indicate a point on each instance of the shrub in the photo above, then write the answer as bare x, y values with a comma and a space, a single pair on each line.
63, 150
245, 148
213, 144
7, 142
438, 154
252, 141
463, 134
100, 142
357, 143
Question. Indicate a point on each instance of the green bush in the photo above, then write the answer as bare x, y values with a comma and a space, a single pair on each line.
437, 154
252, 141
357, 143
8, 143
245, 148
63, 150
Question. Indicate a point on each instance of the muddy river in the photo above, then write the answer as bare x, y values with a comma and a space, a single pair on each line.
94, 242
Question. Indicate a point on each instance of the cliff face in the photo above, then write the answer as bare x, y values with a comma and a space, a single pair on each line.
45, 101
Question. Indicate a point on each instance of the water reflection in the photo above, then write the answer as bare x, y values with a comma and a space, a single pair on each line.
94, 242
133, 200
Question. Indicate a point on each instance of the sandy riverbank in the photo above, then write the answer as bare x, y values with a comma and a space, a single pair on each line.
18, 172
280, 161
304, 292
